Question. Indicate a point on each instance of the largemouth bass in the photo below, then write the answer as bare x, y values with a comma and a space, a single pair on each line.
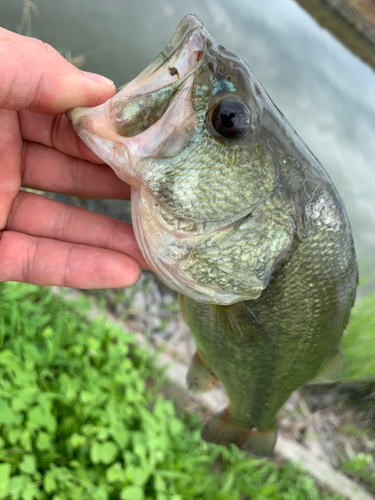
233, 211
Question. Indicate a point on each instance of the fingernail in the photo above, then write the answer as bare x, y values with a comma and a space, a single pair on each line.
98, 78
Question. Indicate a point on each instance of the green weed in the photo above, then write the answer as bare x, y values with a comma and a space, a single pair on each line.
358, 344
78, 421
362, 466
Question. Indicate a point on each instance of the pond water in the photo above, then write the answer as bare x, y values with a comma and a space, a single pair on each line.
325, 91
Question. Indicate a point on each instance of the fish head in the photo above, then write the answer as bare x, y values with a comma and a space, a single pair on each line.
196, 137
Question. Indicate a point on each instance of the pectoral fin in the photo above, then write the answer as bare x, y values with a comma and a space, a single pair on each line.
333, 371
200, 378
245, 324
181, 303
239, 259
223, 429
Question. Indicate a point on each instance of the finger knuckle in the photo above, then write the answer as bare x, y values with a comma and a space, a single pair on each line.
63, 222
78, 172
50, 53
30, 261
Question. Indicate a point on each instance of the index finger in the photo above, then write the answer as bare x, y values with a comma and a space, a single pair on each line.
54, 132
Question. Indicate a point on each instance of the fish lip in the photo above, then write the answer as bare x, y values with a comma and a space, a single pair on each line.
188, 24
184, 31
140, 104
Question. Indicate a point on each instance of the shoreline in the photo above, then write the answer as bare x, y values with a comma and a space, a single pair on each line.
359, 14
350, 21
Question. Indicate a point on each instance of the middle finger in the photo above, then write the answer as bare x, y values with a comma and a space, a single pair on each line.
47, 169
55, 132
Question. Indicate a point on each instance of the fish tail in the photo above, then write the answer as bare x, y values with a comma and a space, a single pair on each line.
223, 429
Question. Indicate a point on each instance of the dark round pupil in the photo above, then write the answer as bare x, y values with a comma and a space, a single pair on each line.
230, 119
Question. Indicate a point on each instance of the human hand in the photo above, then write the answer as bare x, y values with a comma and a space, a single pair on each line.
43, 241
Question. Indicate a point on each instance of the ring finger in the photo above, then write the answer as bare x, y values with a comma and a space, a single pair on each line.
47, 169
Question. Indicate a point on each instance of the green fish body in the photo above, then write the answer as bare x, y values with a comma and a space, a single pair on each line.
232, 211
262, 350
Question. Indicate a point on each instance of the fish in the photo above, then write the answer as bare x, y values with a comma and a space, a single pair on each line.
232, 210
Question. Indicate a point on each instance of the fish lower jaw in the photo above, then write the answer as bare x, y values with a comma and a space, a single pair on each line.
91, 127
166, 253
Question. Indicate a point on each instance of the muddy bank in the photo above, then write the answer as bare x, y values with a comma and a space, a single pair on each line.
351, 21
360, 14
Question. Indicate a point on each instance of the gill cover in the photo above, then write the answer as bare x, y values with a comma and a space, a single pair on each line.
200, 142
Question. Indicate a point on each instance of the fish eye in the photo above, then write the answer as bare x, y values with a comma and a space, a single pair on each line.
230, 119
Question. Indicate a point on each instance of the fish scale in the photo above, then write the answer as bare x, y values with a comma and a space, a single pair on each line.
233, 211
179, 187
287, 358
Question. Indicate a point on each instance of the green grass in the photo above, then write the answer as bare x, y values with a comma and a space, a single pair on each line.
78, 420
358, 344
362, 467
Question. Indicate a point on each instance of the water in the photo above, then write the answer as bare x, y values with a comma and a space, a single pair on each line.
325, 91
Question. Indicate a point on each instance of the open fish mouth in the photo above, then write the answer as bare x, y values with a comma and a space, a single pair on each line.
144, 100
140, 118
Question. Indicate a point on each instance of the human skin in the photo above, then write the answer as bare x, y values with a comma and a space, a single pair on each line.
43, 241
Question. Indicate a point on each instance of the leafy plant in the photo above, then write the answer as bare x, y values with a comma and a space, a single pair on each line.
358, 344
361, 466
78, 420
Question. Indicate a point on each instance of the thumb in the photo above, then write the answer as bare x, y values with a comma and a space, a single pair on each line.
36, 77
